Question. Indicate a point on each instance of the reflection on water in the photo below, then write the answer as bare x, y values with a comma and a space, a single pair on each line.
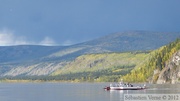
74, 91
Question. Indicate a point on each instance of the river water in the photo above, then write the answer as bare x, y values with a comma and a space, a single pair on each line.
74, 91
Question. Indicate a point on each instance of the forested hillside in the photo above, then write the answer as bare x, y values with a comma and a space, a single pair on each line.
156, 62
104, 59
101, 67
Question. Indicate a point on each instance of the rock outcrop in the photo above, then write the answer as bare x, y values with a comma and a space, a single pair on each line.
171, 72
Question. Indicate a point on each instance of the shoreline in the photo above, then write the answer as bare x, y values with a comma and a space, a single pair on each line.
62, 81
42, 81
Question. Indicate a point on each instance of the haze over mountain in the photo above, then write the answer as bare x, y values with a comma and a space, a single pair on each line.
117, 42
28, 59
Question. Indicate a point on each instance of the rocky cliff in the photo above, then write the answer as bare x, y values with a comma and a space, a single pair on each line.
171, 72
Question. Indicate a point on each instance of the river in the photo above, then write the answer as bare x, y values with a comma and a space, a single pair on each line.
74, 91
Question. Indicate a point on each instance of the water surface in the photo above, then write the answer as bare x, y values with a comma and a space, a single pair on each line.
73, 91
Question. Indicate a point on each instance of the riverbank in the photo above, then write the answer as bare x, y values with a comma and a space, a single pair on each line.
36, 81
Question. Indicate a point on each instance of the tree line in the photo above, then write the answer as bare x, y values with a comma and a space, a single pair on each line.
157, 60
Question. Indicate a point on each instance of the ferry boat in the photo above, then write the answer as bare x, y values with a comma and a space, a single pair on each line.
124, 86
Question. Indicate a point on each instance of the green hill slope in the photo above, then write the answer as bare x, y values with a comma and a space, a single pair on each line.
156, 62
97, 59
100, 67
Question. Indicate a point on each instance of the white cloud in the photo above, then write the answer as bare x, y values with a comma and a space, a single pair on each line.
47, 41
8, 38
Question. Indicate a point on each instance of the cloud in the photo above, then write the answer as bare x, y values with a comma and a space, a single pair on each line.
8, 38
47, 41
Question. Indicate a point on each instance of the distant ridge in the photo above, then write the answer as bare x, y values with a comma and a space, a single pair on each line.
116, 42
25, 58
134, 40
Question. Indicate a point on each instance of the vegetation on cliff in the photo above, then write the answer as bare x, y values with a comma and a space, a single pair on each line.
156, 61
109, 58
111, 67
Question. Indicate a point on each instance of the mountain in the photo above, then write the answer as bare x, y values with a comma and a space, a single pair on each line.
132, 41
102, 67
115, 63
23, 53
162, 66
117, 42
32, 60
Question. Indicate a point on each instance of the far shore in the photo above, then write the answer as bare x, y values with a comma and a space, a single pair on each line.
61, 81
41, 81
53, 81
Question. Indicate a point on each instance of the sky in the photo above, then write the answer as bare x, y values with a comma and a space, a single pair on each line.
67, 22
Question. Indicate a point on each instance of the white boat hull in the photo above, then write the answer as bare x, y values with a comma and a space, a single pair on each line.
125, 88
